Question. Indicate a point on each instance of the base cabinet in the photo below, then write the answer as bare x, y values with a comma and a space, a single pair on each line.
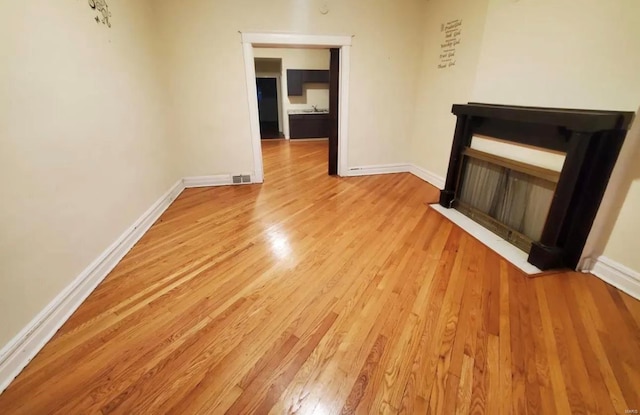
308, 126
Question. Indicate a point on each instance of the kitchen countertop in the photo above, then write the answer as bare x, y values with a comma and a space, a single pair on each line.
309, 111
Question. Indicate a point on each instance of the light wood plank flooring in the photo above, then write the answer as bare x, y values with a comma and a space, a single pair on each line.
313, 294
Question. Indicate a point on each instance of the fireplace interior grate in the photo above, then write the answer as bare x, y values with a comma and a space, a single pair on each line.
510, 198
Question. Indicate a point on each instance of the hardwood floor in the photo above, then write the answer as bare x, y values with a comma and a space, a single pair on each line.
313, 294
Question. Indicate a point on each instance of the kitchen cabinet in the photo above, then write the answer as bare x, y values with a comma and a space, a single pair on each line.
309, 125
296, 78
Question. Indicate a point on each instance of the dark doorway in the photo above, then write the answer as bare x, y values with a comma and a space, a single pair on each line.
334, 99
268, 107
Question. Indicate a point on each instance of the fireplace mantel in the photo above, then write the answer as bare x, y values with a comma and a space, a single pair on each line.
572, 119
591, 140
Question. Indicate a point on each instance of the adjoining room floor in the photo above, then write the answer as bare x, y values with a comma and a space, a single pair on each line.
320, 295
269, 130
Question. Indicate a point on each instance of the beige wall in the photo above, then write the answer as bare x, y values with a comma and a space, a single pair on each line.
209, 99
563, 54
623, 196
439, 89
83, 150
317, 95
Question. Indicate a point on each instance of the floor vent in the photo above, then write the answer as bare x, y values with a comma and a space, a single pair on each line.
245, 178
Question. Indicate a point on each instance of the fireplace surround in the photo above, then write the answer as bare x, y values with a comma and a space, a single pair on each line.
591, 141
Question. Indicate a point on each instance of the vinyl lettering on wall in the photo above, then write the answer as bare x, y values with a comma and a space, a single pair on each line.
451, 32
102, 8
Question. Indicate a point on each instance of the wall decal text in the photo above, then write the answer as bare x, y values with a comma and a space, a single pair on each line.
103, 11
452, 33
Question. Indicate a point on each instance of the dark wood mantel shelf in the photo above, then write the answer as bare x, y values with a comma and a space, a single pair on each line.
572, 119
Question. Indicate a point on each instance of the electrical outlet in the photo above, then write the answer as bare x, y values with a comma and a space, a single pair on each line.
237, 179
246, 178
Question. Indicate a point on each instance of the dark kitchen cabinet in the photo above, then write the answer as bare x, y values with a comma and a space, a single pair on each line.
296, 78
294, 82
309, 125
315, 77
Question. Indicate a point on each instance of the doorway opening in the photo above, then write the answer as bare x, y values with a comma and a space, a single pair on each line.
268, 108
336, 77
268, 86
304, 105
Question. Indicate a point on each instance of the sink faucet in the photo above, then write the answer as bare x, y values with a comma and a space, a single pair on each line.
315, 108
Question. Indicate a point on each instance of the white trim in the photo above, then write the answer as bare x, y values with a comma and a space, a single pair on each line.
616, 274
427, 176
295, 40
419, 172
249, 40
16, 354
302, 140
585, 264
494, 242
254, 122
210, 181
378, 169
343, 108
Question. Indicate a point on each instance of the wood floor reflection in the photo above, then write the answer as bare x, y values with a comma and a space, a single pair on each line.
315, 294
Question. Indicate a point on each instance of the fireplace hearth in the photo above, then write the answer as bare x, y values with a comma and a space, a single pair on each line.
547, 214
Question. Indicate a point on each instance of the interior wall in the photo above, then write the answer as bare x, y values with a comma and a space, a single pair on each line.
617, 226
83, 148
317, 95
560, 53
440, 88
268, 65
209, 94
563, 54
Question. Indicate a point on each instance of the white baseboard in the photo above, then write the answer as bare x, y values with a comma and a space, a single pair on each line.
378, 169
616, 274
15, 355
209, 181
417, 171
304, 140
585, 264
428, 176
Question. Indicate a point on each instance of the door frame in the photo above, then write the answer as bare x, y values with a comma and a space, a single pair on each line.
277, 77
288, 40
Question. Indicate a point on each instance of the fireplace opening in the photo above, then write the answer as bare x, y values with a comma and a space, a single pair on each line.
510, 198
